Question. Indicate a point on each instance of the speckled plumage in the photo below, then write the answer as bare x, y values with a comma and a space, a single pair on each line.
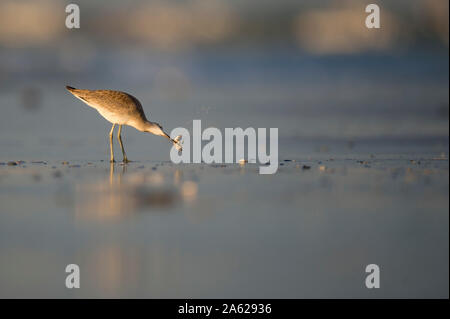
116, 106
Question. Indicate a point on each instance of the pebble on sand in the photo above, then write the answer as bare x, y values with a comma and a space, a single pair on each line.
243, 161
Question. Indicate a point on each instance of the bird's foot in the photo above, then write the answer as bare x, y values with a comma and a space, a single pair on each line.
112, 161
126, 160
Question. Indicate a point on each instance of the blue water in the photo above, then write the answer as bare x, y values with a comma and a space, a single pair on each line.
373, 128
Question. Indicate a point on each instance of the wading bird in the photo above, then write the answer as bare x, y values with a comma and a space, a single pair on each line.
122, 109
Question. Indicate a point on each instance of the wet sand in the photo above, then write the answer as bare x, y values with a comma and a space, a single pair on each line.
363, 177
155, 229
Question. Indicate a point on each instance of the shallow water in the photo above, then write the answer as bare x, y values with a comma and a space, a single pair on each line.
373, 130
154, 229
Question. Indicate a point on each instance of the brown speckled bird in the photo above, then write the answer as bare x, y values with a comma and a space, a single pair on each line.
123, 109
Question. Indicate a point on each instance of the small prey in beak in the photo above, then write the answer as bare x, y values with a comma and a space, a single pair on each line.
176, 141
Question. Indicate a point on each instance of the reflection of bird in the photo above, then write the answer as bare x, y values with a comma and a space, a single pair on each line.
123, 109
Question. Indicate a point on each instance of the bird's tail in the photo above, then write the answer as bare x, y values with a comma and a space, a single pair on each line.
81, 94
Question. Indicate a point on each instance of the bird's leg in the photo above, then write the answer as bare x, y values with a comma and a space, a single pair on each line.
111, 143
119, 137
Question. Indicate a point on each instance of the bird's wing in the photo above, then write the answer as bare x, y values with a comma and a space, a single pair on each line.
113, 101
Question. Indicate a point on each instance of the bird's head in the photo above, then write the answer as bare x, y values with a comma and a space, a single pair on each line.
156, 128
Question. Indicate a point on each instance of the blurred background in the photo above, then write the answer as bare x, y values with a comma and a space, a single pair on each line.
310, 68
363, 119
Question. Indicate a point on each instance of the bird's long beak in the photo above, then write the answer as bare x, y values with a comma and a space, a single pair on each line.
167, 136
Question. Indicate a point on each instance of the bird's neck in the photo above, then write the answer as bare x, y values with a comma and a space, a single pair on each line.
143, 126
